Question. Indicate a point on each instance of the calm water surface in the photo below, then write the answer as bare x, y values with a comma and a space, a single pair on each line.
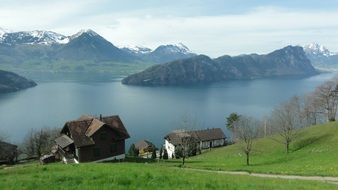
147, 112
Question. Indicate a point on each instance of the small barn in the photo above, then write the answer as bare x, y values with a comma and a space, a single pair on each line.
89, 139
8, 153
145, 148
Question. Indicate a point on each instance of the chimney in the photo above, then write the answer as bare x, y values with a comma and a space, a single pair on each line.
100, 117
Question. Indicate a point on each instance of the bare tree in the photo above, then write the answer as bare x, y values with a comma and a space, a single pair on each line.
187, 147
312, 111
39, 142
247, 131
327, 97
188, 123
286, 120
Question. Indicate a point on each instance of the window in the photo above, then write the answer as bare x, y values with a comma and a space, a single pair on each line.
97, 152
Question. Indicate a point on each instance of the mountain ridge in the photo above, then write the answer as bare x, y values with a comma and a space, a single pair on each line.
12, 82
288, 61
85, 45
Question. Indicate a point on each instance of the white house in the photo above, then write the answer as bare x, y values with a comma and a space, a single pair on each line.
207, 138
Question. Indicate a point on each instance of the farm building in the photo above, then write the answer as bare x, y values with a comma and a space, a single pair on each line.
204, 139
90, 139
8, 152
145, 148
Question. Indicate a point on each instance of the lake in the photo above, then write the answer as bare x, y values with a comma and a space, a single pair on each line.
147, 112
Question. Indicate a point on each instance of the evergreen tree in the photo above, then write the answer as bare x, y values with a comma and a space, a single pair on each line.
161, 152
132, 152
153, 155
231, 122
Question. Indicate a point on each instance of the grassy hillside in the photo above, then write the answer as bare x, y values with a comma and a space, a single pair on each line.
314, 152
136, 176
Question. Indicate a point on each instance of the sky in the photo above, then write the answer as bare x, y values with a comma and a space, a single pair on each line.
211, 27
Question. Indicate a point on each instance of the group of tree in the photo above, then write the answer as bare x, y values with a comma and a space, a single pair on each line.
285, 120
39, 141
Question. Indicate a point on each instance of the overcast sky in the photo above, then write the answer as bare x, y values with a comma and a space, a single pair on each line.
211, 27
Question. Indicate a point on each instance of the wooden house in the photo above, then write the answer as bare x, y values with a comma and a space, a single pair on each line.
8, 153
145, 148
90, 139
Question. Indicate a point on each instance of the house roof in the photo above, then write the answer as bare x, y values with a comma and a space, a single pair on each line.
143, 144
208, 134
175, 138
4, 146
200, 135
64, 141
82, 129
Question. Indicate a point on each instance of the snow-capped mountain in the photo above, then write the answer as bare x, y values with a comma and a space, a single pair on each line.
137, 49
85, 45
32, 37
321, 58
171, 52
174, 48
90, 32
162, 54
315, 49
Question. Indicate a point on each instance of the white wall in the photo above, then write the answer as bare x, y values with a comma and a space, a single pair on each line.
170, 149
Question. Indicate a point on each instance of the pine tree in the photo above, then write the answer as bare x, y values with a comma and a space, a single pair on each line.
132, 152
153, 155
161, 152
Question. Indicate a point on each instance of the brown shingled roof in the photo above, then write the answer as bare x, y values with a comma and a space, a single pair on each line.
175, 138
83, 128
7, 146
208, 134
143, 144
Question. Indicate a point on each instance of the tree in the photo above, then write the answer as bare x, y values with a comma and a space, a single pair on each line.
231, 122
327, 97
161, 152
40, 141
133, 152
312, 111
247, 131
286, 120
165, 154
153, 155
187, 147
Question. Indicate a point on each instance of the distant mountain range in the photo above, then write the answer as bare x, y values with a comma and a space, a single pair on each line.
321, 58
201, 69
11, 82
86, 45
41, 53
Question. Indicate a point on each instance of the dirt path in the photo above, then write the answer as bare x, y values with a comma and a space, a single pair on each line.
333, 180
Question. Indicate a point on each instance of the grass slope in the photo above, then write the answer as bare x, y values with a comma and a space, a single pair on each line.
136, 176
314, 152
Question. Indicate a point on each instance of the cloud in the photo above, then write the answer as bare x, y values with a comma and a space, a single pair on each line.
260, 30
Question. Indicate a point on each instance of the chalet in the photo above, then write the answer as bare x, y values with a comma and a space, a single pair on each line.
89, 139
8, 152
204, 139
145, 148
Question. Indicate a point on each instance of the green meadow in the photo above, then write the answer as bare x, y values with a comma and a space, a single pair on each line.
314, 153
